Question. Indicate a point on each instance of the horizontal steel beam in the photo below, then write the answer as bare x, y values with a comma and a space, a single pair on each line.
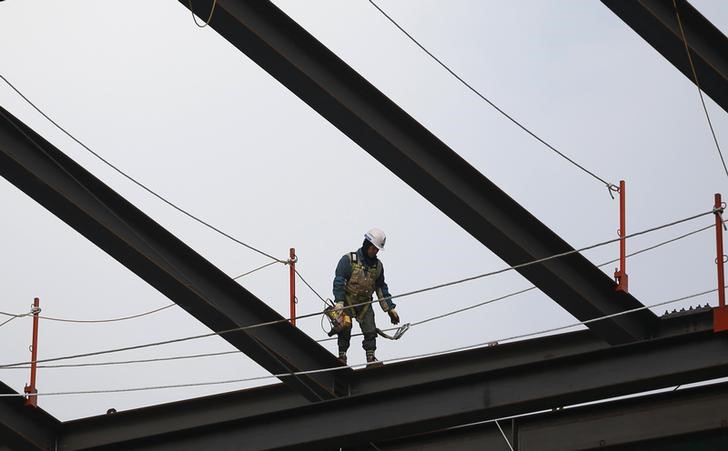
81, 200
617, 371
24, 428
656, 22
224, 411
347, 100
670, 415
193, 414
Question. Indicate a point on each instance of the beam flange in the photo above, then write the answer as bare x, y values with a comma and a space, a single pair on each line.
82, 201
616, 371
542, 362
347, 100
655, 21
25, 428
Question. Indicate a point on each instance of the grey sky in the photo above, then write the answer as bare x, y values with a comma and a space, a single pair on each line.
183, 111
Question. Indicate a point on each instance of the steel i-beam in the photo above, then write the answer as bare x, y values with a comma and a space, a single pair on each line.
312, 72
656, 22
81, 200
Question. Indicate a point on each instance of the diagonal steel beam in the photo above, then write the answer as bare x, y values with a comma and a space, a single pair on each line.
24, 428
655, 21
342, 96
97, 212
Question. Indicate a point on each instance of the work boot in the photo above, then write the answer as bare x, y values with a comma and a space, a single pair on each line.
372, 361
342, 357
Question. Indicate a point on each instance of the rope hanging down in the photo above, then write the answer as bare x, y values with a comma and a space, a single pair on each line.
137, 183
610, 186
284, 320
355, 366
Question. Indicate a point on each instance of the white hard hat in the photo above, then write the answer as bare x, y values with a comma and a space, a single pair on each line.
376, 237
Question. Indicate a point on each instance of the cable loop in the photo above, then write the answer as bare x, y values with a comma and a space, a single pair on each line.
725, 259
292, 260
209, 18
612, 188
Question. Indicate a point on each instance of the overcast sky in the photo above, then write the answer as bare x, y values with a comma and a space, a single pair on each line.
185, 112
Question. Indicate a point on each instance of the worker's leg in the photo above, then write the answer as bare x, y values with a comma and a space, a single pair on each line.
344, 340
369, 329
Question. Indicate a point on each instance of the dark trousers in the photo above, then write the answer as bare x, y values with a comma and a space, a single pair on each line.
368, 328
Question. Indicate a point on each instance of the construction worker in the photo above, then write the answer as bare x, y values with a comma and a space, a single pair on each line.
359, 275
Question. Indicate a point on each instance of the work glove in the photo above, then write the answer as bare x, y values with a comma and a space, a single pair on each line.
393, 316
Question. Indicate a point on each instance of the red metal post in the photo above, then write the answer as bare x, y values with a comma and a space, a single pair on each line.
620, 275
292, 266
32, 399
720, 314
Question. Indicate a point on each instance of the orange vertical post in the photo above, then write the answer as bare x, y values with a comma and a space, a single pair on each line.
30, 390
292, 266
720, 314
620, 275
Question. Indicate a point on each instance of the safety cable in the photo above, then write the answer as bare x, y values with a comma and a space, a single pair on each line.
416, 323
697, 83
209, 18
610, 186
123, 318
134, 181
392, 360
284, 320
12, 317
533, 287
254, 270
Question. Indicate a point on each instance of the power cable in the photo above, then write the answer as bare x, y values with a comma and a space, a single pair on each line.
610, 186
283, 320
137, 183
697, 83
392, 360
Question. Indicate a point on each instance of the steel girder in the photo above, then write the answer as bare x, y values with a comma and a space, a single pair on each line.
383, 415
422, 395
347, 100
97, 212
655, 21
24, 428
701, 410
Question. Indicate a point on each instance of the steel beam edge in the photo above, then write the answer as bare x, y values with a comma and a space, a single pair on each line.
625, 422
607, 373
85, 203
24, 428
171, 420
656, 23
321, 79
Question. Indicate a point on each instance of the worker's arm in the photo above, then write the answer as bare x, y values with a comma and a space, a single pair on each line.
341, 276
382, 291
